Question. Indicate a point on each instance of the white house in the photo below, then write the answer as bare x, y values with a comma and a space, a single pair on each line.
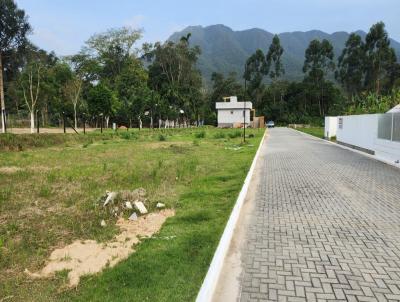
232, 113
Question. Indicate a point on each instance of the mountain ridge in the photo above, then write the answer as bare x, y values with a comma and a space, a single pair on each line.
225, 50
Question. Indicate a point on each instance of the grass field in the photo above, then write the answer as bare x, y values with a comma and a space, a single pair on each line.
48, 195
315, 131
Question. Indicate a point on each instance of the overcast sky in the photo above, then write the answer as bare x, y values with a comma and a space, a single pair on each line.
64, 25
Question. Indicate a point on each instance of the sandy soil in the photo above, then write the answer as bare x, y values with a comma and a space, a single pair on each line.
9, 170
89, 256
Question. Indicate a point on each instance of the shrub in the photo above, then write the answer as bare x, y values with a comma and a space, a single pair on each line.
251, 135
162, 138
219, 135
201, 134
235, 134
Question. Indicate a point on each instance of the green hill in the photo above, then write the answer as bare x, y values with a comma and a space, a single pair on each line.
225, 50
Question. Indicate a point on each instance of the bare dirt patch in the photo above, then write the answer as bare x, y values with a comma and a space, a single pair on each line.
89, 257
9, 170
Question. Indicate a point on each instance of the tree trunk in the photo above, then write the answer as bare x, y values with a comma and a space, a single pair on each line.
33, 120
75, 119
3, 108
107, 120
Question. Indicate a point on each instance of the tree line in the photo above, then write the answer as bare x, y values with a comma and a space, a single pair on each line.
109, 79
365, 78
158, 85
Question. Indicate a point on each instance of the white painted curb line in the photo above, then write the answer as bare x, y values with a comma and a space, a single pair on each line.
210, 281
350, 149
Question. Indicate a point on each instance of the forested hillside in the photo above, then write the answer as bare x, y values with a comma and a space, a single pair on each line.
225, 50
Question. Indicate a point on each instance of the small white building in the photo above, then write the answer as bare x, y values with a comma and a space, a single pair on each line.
232, 113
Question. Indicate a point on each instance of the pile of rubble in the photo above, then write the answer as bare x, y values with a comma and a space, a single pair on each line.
126, 203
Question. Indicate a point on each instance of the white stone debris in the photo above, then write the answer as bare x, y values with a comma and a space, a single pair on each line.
110, 198
140, 207
103, 223
128, 205
160, 205
133, 216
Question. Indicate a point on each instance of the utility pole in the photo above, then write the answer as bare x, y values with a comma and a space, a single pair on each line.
244, 104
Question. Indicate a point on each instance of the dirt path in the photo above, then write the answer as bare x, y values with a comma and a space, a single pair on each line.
46, 130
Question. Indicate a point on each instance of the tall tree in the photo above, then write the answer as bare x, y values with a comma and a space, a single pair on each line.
30, 82
175, 77
13, 30
380, 56
274, 61
318, 62
72, 91
350, 72
255, 70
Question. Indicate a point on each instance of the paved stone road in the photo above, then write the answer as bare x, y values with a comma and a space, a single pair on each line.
326, 225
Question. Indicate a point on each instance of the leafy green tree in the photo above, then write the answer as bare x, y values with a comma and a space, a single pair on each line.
380, 57
32, 79
111, 50
254, 72
13, 30
318, 62
351, 62
175, 77
102, 102
274, 62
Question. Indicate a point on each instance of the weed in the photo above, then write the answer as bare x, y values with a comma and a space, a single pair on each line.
235, 134
201, 134
219, 135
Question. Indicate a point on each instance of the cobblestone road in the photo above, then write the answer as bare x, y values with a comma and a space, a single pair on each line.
326, 225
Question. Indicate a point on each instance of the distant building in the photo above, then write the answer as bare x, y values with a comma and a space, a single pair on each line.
231, 113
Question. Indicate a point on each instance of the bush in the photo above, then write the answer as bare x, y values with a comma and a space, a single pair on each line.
162, 138
219, 135
201, 134
127, 135
251, 135
235, 134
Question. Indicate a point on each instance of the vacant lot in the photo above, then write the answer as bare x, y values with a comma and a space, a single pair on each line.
49, 196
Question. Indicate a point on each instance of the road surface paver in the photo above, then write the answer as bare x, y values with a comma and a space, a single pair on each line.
325, 225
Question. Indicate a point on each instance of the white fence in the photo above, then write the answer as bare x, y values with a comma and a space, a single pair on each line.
377, 134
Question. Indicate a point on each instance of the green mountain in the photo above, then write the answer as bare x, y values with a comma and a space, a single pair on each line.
225, 50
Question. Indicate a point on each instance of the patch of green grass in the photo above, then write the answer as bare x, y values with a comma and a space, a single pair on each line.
201, 134
219, 134
315, 131
235, 134
51, 201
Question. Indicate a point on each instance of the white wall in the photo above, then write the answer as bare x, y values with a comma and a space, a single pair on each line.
362, 131
230, 116
330, 126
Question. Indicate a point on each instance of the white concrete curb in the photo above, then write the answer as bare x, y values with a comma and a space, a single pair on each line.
350, 149
210, 281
